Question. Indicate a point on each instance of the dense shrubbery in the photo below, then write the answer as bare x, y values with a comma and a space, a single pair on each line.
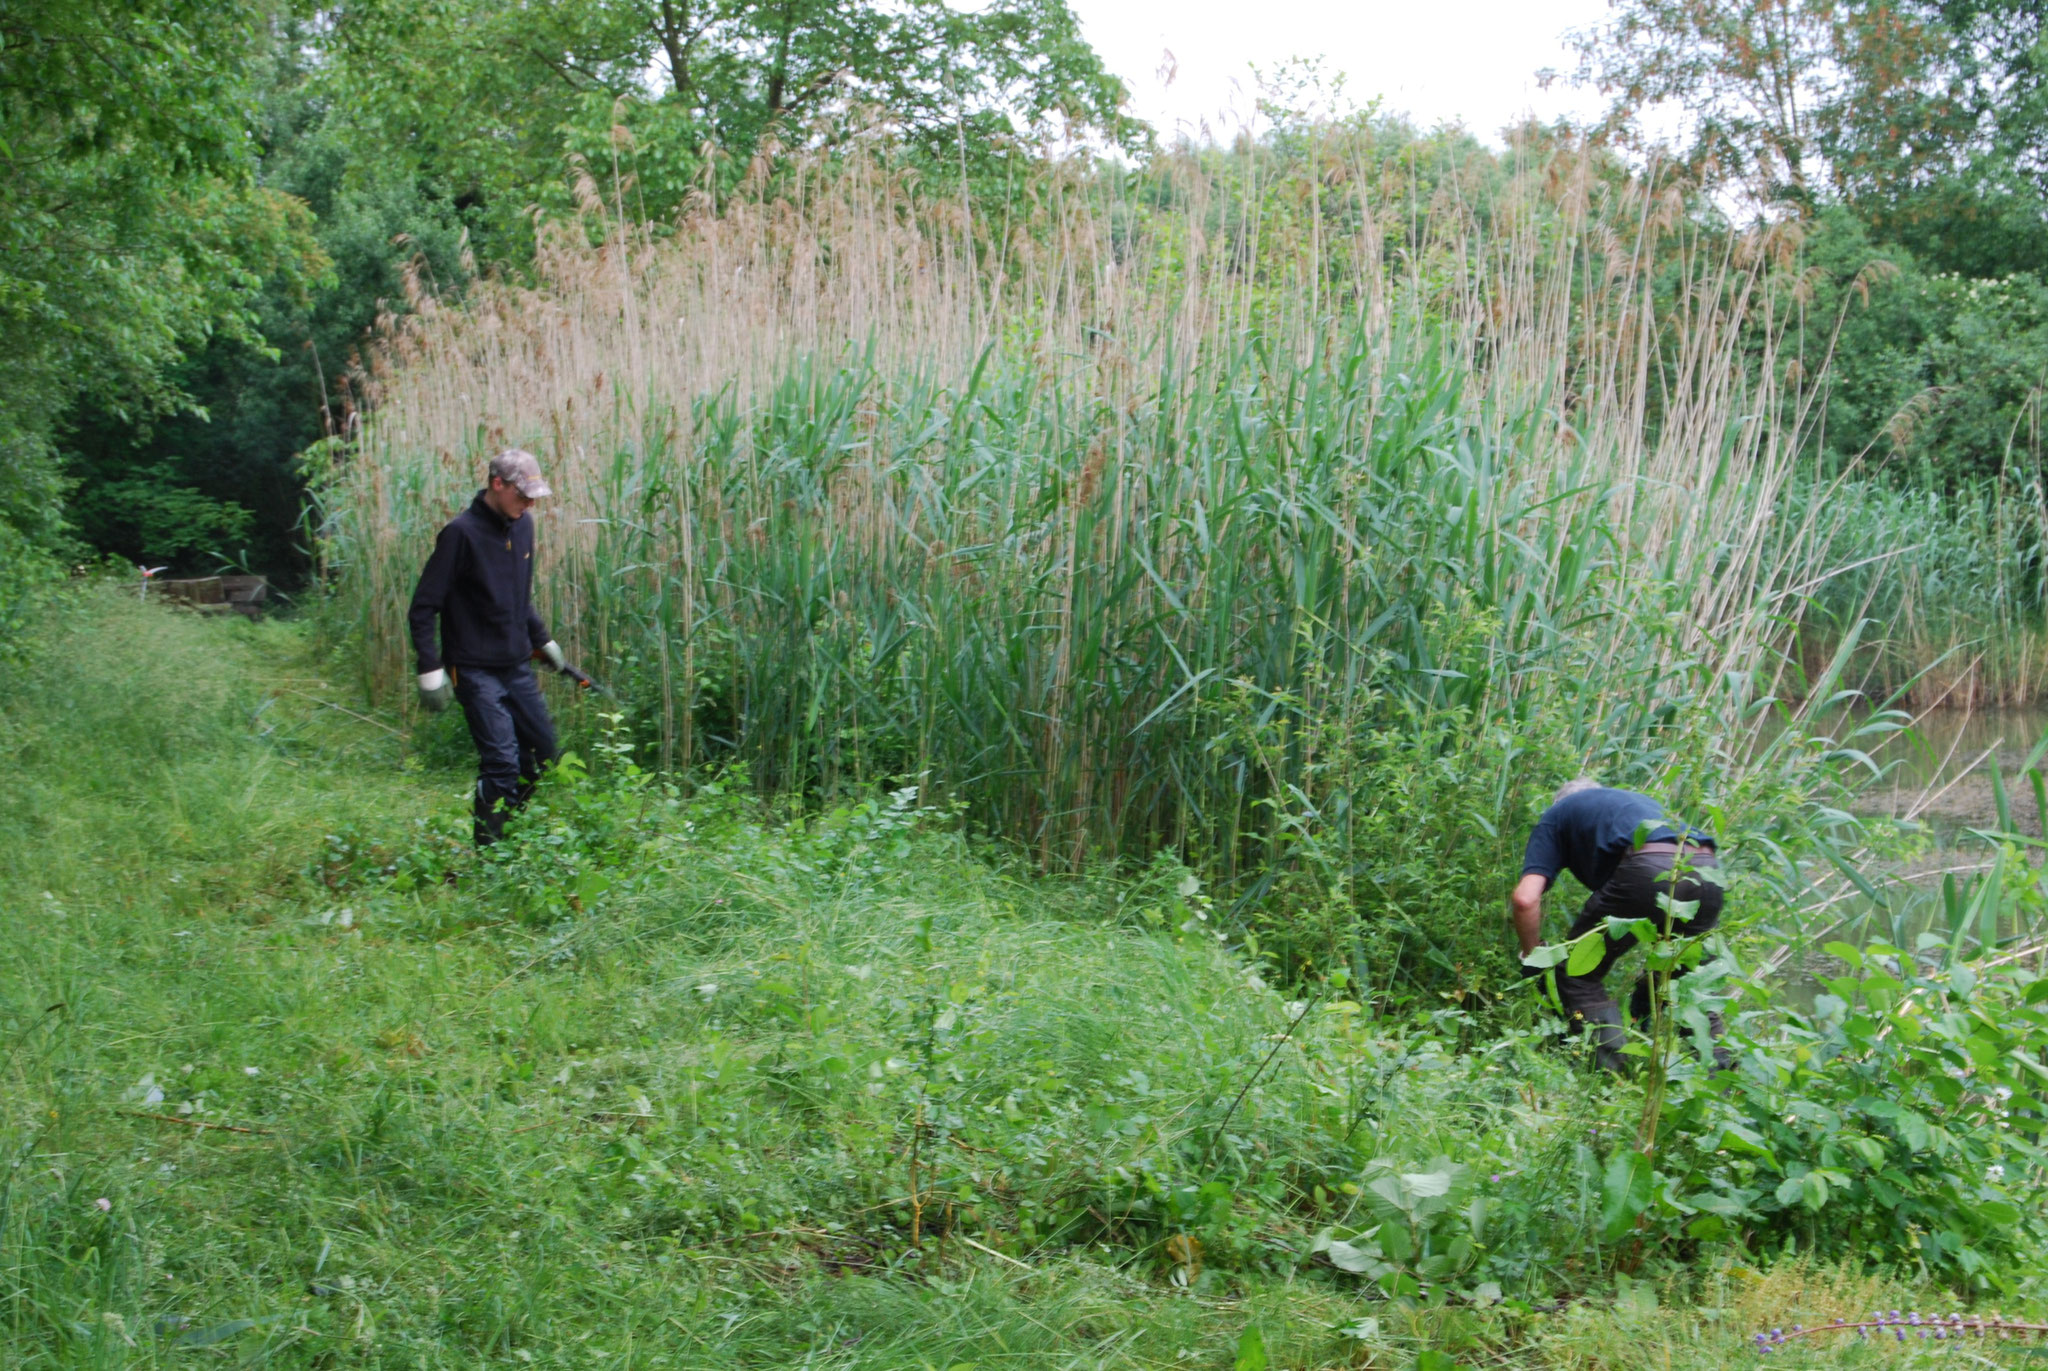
1898, 1121
1318, 571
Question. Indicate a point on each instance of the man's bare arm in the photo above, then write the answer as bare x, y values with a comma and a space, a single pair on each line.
1525, 909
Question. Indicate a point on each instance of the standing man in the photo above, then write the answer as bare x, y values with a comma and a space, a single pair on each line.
479, 584
1592, 831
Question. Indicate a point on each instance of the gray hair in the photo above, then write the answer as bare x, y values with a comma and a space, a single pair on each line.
1574, 786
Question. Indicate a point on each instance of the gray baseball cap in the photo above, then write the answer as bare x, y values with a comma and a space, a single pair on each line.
518, 467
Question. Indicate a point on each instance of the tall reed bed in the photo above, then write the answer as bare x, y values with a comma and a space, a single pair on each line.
1957, 581
1219, 518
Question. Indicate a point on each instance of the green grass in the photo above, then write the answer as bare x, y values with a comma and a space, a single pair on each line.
832, 1093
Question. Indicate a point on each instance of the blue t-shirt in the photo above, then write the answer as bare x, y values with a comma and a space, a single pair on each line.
1589, 833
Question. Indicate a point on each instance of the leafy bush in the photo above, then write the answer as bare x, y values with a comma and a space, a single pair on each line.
1899, 1121
153, 519
26, 572
1937, 375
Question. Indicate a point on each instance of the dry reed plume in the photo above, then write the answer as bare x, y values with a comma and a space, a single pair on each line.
1129, 510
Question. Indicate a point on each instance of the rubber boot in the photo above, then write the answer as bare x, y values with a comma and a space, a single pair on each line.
488, 822
1604, 1027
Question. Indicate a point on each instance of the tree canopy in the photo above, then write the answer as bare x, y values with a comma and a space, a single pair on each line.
489, 100
134, 227
1928, 117
212, 202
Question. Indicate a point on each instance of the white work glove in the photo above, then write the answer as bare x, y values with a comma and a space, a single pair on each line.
435, 692
552, 650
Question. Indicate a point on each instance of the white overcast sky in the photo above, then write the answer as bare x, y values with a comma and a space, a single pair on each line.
1466, 61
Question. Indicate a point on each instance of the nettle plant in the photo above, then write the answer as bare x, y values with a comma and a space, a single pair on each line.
1893, 1121
1897, 1120
586, 830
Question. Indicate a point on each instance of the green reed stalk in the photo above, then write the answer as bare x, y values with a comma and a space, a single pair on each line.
1313, 562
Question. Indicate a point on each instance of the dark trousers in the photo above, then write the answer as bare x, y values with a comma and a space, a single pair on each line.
1632, 893
515, 740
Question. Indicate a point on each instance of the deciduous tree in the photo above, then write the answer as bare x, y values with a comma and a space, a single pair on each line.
492, 98
1928, 117
132, 226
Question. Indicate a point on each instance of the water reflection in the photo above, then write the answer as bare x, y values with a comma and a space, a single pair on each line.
1939, 772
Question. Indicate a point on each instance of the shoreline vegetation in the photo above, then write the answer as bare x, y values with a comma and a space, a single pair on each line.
1258, 508
679, 1080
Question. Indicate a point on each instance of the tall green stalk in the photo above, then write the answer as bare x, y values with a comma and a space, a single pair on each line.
1321, 589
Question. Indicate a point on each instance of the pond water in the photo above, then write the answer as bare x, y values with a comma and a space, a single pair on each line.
1939, 770
1940, 774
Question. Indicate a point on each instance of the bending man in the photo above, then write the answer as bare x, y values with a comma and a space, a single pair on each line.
1591, 831
479, 584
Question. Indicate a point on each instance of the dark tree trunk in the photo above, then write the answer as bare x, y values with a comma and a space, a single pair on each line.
677, 47
778, 78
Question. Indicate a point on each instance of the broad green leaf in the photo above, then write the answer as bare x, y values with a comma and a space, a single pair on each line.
1642, 930
1737, 1138
1251, 1351
1427, 1184
1624, 1193
1357, 1258
1586, 954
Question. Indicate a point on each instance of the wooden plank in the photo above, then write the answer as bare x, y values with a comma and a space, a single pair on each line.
199, 590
